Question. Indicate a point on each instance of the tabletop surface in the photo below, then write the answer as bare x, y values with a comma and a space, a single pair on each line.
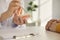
22, 33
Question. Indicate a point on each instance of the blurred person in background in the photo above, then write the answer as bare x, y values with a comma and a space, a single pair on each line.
9, 17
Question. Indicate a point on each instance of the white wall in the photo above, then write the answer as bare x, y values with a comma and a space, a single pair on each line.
3, 5
56, 9
45, 10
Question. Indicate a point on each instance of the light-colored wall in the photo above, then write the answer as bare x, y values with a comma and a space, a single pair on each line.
45, 10
56, 9
4, 5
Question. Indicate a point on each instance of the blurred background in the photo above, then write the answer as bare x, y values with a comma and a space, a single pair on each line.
46, 10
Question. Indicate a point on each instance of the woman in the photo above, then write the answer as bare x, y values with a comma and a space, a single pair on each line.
6, 18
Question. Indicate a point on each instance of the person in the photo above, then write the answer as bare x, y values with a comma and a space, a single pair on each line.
7, 18
53, 25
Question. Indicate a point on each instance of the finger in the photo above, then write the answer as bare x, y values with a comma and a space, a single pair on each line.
53, 20
58, 21
21, 20
19, 11
15, 19
48, 25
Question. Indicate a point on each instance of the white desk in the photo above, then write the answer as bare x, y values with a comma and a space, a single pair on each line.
42, 34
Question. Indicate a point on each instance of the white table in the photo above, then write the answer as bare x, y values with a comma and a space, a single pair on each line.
40, 32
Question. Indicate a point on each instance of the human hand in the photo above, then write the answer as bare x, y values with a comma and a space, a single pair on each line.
18, 20
26, 16
51, 25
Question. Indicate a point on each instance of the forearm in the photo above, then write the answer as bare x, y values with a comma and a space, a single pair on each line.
5, 15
